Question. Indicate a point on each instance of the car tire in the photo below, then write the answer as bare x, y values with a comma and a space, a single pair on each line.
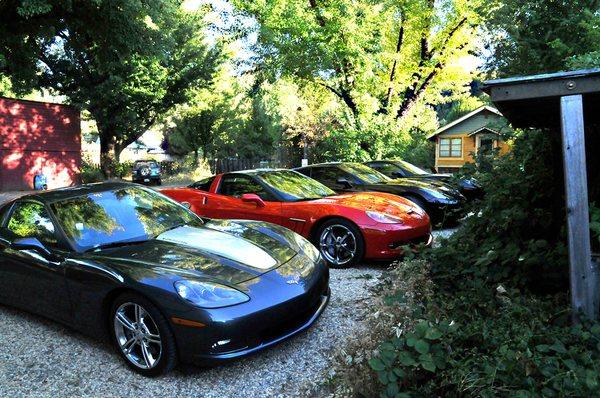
159, 182
337, 239
153, 351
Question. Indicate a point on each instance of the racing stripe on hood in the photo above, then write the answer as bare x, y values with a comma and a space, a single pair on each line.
222, 244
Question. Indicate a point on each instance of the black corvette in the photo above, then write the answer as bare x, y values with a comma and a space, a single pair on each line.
440, 201
124, 262
401, 169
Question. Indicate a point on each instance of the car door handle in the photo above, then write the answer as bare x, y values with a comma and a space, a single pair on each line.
204, 200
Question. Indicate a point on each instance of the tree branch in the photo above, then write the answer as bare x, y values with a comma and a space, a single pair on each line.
344, 95
415, 90
315, 8
390, 90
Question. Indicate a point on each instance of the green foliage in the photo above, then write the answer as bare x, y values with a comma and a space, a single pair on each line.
516, 231
418, 354
495, 317
595, 225
374, 58
498, 342
126, 62
374, 141
533, 36
90, 172
194, 130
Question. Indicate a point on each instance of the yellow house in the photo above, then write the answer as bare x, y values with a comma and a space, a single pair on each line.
459, 142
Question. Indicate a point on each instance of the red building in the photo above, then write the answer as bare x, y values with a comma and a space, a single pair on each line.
38, 137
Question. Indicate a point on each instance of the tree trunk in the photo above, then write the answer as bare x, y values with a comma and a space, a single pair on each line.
107, 154
196, 156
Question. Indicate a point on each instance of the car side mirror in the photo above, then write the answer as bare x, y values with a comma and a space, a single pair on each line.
35, 245
343, 181
253, 198
397, 174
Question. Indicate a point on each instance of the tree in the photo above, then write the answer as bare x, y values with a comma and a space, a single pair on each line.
127, 62
538, 36
376, 57
194, 131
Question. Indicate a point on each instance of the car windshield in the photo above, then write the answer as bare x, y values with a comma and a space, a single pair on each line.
411, 168
152, 164
365, 173
124, 215
293, 186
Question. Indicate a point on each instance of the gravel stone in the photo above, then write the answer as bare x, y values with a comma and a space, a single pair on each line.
40, 358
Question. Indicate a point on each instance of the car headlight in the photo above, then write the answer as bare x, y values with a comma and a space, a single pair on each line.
308, 248
384, 218
209, 295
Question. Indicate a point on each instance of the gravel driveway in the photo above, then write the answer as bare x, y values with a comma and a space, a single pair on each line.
39, 358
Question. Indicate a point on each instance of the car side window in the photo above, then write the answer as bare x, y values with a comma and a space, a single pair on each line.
388, 169
203, 185
237, 185
328, 175
31, 220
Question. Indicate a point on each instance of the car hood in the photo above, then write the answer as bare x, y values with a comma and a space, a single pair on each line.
231, 252
406, 185
431, 177
371, 201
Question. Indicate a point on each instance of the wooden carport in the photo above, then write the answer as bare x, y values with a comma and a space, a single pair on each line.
568, 102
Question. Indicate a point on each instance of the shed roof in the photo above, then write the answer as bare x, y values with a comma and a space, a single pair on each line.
534, 101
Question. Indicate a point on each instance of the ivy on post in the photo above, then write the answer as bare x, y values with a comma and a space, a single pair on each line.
557, 102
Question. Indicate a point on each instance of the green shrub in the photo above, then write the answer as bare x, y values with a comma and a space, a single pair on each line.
375, 141
90, 172
595, 227
493, 314
516, 233
489, 342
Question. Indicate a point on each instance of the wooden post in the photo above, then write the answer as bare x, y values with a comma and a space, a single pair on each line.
584, 287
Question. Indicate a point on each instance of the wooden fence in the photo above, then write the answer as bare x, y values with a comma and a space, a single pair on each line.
235, 164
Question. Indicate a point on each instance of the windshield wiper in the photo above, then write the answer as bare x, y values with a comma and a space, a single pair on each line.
116, 244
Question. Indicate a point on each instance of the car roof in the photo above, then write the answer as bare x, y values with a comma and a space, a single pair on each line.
326, 164
381, 161
254, 172
76, 191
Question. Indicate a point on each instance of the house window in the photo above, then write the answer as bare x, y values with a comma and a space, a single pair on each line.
450, 147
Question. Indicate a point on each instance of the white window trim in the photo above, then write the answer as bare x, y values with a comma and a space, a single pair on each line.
462, 149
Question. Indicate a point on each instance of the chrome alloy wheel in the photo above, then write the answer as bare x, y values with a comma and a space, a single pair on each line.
137, 335
338, 244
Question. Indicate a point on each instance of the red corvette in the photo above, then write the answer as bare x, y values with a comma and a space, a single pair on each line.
346, 228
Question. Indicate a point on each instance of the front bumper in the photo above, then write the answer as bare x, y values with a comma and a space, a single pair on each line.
388, 241
442, 212
278, 310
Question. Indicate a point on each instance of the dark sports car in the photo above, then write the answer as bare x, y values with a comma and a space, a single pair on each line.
125, 262
440, 202
401, 169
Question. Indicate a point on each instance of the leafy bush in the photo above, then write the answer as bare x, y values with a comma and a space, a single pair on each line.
492, 315
488, 342
375, 141
595, 226
516, 233
90, 172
